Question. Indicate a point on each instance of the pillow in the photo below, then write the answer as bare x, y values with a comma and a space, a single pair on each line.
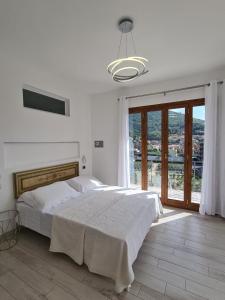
47, 197
26, 198
84, 183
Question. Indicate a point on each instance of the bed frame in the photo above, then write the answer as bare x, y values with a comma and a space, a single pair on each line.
29, 180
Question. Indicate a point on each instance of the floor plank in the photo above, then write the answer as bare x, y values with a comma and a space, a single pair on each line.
30, 277
18, 288
204, 291
197, 257
147, 293
150, 281
58, 294
161, 274
194, 276
57, 277
162, 256
4, 295
179, 294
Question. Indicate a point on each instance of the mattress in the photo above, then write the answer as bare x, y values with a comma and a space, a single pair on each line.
35, 219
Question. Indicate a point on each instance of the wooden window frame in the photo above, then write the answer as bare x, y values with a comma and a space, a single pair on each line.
164, 107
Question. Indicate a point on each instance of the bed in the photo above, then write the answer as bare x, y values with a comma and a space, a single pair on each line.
103, 228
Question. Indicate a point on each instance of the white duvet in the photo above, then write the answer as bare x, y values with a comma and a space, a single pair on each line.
105, 229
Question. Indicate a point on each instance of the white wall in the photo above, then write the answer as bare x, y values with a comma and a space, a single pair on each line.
104, 127
104, 115
22, 124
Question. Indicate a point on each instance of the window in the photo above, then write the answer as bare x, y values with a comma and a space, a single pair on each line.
40, 100
166, 150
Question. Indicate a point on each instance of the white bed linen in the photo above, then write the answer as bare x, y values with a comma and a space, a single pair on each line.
84, 183
105, 229
48, 197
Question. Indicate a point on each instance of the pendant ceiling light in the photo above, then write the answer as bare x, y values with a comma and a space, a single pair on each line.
128, 67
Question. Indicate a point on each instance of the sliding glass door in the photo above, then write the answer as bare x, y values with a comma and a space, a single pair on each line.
166, 151
198, 128
154, 147
135, 144
176, 153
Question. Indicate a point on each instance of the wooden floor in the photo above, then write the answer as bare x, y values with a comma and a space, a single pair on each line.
183, 257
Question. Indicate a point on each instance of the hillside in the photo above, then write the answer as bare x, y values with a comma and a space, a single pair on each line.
176, 124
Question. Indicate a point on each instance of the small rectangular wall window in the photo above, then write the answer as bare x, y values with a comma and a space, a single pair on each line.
41, 100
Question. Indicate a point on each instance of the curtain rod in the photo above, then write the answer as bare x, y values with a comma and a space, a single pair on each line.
171, 91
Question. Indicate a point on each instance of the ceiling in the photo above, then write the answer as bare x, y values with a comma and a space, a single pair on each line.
78, 38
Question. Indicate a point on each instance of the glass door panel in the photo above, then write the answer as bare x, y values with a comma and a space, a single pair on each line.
176, 153
198, 128
135, 146
166, 151
154, 148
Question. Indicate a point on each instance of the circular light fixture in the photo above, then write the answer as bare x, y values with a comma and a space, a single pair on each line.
129, 67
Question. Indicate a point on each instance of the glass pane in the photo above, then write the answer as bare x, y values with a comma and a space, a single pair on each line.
135, 149
154, 144
176, 131
198, 127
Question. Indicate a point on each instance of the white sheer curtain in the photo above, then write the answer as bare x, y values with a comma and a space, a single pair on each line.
220, 198
213, 184
123, 144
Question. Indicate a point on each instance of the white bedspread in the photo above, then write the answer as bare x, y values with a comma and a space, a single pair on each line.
105, 229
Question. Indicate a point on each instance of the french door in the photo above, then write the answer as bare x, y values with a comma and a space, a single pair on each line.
166, 150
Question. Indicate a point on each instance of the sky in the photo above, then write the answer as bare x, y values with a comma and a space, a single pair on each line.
198, 112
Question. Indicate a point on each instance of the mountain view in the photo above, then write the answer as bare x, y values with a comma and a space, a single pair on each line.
154, 125
176, 149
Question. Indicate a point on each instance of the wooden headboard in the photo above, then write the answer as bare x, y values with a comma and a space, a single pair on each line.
29, 180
